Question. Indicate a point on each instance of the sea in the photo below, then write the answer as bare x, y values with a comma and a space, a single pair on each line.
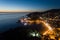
8, 20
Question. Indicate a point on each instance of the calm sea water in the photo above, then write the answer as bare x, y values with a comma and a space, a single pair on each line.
8, 20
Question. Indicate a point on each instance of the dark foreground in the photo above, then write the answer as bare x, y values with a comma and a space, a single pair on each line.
21, 33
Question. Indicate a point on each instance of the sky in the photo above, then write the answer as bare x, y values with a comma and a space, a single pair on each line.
28, 5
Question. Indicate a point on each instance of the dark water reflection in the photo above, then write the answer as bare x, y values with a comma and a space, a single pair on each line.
8, 21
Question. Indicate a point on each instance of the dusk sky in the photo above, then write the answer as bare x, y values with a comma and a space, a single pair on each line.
34, 5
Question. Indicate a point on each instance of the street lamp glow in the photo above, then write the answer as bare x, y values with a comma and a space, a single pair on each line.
47, 25
33, 34
37, 34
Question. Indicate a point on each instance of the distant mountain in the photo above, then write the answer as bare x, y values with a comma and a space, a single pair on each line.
53, 10
34, 15
52, 13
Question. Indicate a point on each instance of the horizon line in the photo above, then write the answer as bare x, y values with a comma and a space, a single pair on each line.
19, 10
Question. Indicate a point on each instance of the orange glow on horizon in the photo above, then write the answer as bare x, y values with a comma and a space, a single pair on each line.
17, 10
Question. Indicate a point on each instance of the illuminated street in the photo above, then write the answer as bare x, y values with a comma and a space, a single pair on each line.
50, 23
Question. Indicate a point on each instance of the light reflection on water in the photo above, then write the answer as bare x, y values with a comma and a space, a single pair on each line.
8, 21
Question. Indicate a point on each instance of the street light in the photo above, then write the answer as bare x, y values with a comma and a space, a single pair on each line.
34, 34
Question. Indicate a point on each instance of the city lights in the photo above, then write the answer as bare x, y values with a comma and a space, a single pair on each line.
50, 23
47, 25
